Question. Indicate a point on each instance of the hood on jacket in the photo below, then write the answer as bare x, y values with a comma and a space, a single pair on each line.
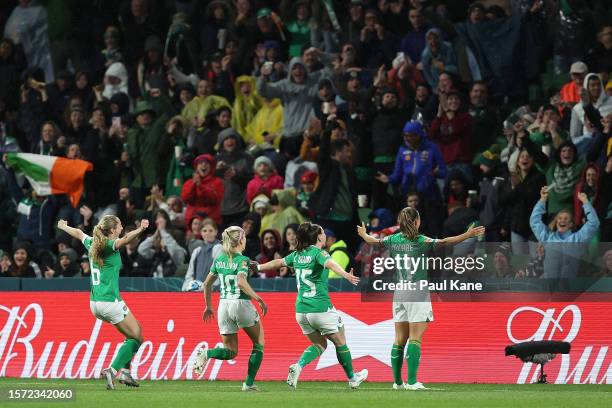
253, 216
117, 69
285, 198
295, 61
242, 79
567, 143
122, 100
226, 134
602, 94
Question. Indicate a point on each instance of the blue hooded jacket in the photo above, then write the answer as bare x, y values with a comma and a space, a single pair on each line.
413, 168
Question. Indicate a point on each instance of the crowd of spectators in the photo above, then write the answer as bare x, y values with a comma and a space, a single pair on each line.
203, 114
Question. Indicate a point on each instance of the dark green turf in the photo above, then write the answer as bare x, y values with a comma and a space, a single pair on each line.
225, 394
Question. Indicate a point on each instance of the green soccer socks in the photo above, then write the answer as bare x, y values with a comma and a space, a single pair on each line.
413, 355
254, 363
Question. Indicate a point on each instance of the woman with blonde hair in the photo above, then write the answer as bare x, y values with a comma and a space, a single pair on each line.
105, 301
235, 308
411, 317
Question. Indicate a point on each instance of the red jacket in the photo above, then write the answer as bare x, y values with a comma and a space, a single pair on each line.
258, 186
206, 198
453, 137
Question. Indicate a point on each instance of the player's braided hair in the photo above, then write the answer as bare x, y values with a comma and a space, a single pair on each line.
100, 235
307, 235
407, 220
231, 238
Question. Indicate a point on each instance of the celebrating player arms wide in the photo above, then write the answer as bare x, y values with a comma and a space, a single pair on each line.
105, 301
235, 308
411, 317
314, 311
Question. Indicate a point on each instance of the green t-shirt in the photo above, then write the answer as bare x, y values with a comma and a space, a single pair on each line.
415, 248
228, 272
311, 275
104, 279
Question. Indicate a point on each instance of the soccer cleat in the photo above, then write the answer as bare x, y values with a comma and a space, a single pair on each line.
358, 378
201, 359
107, 373
399, 386
125, 378
294, 375
249, 387
416, 386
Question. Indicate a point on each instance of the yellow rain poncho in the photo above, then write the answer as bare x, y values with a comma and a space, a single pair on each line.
284, 214
269, 118
245, 106
200, 106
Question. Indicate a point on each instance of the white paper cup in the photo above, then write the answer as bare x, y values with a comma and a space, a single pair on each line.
362, 200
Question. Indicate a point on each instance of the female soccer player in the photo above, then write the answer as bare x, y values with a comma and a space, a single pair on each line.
314, 311
411, 318
235, 308
105, 301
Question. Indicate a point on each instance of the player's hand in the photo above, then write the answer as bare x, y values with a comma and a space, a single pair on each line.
61, 224
362, 230
352, 278
144, 224
583, 198
476, 231
263, 306
208, 315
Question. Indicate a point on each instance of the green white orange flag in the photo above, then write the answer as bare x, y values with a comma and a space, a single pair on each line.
51, 174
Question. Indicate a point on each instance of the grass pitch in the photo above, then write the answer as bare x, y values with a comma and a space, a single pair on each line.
227, 394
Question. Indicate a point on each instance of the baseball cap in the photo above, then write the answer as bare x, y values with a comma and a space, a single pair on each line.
579, 67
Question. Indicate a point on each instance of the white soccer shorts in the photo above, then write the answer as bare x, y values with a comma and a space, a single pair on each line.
325, 323
412, 312
235, 314
111, 312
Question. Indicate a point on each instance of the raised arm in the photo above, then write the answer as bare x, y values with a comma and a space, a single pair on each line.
129, 237
472, 232
369, 239
245, 287
333, 265
73, 232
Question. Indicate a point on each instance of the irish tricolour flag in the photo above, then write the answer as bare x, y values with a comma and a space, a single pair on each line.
52, 175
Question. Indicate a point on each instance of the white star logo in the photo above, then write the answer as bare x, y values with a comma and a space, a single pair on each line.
360, 338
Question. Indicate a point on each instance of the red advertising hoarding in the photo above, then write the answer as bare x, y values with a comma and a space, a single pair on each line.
54, 335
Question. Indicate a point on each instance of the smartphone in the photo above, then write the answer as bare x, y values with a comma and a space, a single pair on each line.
116, 120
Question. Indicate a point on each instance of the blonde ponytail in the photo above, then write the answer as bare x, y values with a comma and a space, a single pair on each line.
230, 239
100, 238
407, 220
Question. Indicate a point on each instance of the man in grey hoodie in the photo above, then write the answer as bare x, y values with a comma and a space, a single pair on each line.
234, 167
297, 93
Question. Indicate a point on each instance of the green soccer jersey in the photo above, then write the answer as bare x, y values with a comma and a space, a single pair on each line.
413, 267
311, 275
104, 279
228, 272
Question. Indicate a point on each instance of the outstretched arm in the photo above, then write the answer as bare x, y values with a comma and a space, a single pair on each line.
333, 265
129, 237
275, 264
472, 232
73, 232
369, 239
